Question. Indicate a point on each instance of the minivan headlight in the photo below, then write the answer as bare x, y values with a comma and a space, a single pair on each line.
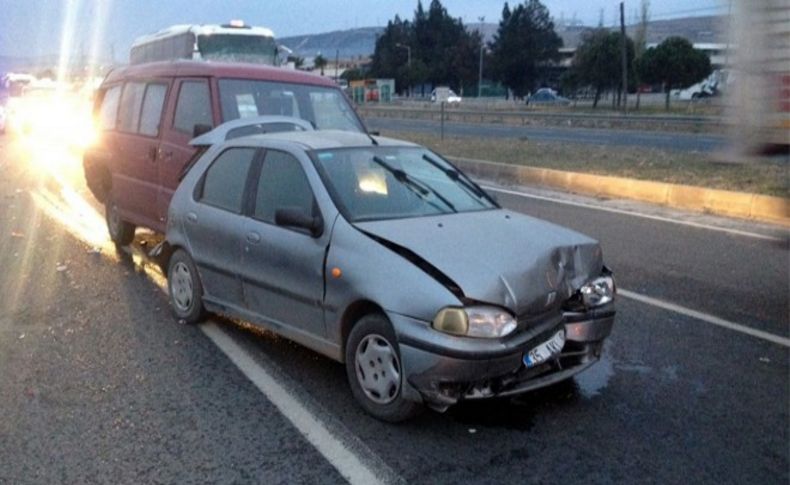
597, 292
477, 321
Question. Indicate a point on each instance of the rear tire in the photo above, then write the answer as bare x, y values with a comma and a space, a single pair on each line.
374, 370
185, 288
121, 232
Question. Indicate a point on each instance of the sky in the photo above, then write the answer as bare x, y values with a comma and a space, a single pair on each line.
30, 28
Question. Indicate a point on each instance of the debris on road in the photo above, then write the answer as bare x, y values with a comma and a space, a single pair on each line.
17, 234
61, 268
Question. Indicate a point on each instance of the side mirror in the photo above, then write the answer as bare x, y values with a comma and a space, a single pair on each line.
200, 129
297, 217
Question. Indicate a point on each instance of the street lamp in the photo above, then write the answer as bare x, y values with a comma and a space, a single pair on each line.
480, 71
408, 61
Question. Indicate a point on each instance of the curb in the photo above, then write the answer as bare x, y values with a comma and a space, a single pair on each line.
700, 199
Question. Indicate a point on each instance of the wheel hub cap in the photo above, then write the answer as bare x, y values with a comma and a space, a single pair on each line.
378, 369
181, 287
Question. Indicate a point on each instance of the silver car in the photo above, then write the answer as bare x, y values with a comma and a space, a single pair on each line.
380, 254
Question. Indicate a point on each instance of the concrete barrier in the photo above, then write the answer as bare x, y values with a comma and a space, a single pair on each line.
700, 199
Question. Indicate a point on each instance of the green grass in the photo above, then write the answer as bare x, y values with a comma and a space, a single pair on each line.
761, 176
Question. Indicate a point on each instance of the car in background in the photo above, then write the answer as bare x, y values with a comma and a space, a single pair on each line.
146, 115
381, 254
443, 94
547, 96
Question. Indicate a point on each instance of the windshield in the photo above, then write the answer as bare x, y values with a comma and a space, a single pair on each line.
326, 108
374, 183
238, 48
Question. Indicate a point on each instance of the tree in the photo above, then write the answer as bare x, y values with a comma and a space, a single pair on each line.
524, 46
598, 62
390, 57
442, 51
675, 63
320, 62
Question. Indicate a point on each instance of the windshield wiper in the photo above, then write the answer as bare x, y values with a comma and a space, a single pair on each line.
420, 187
456, 176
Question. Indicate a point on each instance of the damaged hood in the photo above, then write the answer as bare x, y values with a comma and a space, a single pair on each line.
501, 257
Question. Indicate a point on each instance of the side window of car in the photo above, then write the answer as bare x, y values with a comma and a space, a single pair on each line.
108, 113
282, 184
193, 106
131, 100
153, 102
224, 181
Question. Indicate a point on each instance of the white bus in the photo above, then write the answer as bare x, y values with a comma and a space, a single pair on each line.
233, 42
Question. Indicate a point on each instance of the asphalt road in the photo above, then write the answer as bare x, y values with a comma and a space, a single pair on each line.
99, 384
608, 137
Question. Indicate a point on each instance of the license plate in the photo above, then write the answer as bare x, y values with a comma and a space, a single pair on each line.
544, 351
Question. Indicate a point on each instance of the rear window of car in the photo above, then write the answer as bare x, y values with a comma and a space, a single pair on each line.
131, 100
153, 103
224, 181
108, 113
324, 107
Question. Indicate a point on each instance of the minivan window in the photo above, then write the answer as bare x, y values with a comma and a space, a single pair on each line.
193, 107
325, 107
108, 113
223, 185
153, 103
131, 100
282, 184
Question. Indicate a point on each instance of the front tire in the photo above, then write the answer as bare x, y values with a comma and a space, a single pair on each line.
121, 232
374, 370
185, 288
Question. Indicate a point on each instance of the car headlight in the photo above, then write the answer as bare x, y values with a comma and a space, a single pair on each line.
597, 292
478, 321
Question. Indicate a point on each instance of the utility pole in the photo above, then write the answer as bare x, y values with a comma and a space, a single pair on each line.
408, 61
480, 71
624, 53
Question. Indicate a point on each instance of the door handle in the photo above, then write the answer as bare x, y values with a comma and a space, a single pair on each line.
152, 153
191, 217
253, 237
168, 156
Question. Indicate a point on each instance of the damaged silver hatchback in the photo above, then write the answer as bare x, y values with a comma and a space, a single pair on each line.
381, 254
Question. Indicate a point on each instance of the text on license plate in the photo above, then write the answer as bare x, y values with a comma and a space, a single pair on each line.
544, 351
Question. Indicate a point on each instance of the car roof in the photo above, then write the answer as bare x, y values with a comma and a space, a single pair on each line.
235, 70
320, 140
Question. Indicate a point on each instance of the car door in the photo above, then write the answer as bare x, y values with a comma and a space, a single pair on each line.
283, 268
190, 106
137, 146
214, 225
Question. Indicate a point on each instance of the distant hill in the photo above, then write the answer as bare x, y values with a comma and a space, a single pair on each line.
353, 43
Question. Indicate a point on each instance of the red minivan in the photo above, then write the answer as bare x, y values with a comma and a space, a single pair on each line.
148, 113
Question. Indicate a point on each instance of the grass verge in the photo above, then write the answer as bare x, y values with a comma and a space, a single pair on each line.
759, 176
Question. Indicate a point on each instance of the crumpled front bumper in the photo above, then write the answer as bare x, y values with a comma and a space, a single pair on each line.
441, 370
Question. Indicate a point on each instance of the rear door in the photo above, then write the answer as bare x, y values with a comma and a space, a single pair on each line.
134, 185
215, 225
189, 107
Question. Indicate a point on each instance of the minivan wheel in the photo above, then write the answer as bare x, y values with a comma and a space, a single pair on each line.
121, 232
374, 370
185, 288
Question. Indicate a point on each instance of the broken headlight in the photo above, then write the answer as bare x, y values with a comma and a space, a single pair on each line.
478, 321
597, 292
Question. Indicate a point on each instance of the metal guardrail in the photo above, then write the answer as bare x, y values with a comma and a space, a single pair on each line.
524, 117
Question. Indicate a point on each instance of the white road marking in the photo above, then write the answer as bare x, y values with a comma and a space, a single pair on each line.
704, 317
347, 463
636, 214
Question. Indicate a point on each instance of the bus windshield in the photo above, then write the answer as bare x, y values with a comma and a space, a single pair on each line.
257, 49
